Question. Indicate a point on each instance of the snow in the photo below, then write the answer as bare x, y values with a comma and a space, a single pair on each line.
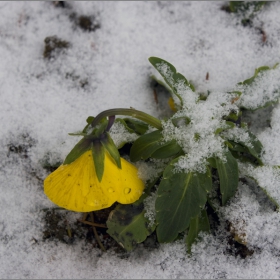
42, 100
264, 90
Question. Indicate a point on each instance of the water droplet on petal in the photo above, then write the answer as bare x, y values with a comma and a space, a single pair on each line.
111, 190
127, 190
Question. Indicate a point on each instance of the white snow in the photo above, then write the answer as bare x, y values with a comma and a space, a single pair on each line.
43, 100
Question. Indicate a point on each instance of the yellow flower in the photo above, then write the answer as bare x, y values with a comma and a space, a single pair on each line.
171, 104
75, 186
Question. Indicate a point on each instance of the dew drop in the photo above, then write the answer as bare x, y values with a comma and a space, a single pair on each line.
110, 190
127, 190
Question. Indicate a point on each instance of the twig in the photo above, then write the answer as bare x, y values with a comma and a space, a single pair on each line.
92, 224
96, 235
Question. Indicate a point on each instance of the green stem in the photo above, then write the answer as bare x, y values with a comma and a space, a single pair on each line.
128, 112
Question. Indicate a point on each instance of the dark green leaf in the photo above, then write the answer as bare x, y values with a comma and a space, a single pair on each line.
145, 145
151, 183
251, 81
247, 150
180, 121
229, 145
242, 6
79, 133
128, 226
212, 162
181, 196
233, 116
152, 145
100, 128
169, 149
257, 147
89, 121
111, 148
257, 71
228, 174
272, 197
98, 154
170, 75
160, 82
136, 126
123, 122
81, 147
127, 128
229, 126
198, 224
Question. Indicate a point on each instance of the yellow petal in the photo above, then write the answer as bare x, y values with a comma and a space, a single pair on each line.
75, 186
131, 186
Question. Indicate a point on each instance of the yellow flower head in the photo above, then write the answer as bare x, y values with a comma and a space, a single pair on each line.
75, 186
171, 104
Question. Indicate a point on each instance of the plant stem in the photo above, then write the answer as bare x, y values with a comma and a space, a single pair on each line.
96, 234
128, 112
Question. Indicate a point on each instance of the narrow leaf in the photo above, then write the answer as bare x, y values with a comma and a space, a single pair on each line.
249, 152
145, 145
89, 121
229, 126
181, 196
257, 71
136, 126
260, 175
169, 149
81, 147
98, 154
246, 6
198, 224
228, 174
170, 75
256, 150
111, 148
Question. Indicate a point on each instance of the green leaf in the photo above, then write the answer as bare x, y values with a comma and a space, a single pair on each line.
174, 79
198, 224
245, 6
233, 116
257, 71
160, 82
245, 151
136, 126
128, 226
272, 172
181, 121
128, 129
212, 162
98, 154
79, 133
181, 196
152, 145
229, 126
252, 80
145, 145
81, 147
111, 148
169, 149
237, 147
89, 121
228, 174
257, 147
123, 122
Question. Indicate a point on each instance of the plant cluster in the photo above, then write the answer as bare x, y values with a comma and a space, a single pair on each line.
197, 152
